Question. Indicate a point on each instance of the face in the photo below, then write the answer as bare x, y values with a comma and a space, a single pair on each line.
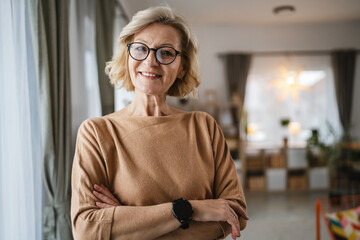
149, 76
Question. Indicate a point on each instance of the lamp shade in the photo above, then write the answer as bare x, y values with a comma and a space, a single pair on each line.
294, 128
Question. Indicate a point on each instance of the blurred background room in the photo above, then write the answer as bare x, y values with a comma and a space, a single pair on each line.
282, 78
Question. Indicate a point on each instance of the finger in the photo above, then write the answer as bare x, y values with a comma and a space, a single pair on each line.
104, 190
235, 227
233, 214
234, 236
234, 232
233, 220
103, 205
104, 198
107, 192
236, 206
237, 224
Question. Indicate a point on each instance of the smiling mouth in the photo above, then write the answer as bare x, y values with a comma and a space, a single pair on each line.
150, 75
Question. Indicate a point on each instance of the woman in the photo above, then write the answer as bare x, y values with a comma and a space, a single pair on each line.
151, 171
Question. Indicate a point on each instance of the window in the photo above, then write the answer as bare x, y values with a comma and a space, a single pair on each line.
297, 88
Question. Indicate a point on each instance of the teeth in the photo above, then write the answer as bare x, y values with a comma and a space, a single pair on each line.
149, 74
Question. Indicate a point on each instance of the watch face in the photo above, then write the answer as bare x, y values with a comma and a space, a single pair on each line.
183, 209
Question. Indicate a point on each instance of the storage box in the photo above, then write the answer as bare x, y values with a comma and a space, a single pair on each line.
296, 158
276, 161
276, 179
254, 163
297, 182
256, 183
319, 178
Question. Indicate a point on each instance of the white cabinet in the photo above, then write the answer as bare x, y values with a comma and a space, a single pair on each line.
296, 158
319, 178
276, 179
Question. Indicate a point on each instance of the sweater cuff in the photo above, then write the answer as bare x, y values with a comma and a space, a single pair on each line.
100, 228
225, 228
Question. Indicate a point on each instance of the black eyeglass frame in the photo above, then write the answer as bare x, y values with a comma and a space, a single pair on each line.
155, 50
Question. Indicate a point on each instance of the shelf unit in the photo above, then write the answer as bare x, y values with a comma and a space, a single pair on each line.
282, 169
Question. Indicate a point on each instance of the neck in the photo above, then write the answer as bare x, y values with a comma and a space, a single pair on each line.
149, 105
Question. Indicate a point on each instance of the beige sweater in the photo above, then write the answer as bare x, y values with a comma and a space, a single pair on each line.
147, 161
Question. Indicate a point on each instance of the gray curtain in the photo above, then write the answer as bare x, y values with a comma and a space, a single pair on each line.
237, 70
343, 63
55, 114
105, 14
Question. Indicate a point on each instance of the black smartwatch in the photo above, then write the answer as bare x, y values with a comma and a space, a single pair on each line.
182, 211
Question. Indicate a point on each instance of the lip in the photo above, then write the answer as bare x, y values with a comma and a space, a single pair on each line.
156, 75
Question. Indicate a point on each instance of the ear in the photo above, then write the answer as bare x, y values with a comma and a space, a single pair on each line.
181, 72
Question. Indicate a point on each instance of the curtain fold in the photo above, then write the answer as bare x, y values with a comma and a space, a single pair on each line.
85, 94
237, 69
343, 63
105, 14
55, 114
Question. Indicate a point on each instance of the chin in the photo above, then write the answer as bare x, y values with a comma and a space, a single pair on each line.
153, 92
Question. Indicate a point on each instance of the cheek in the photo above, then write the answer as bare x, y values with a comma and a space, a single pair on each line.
132, 65
175, 71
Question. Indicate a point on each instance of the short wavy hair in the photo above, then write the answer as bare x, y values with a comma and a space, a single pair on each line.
117, 69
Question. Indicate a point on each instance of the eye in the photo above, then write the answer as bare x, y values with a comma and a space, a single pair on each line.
167, 53
140, 48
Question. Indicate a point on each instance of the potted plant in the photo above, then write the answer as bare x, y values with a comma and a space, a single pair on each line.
284, 123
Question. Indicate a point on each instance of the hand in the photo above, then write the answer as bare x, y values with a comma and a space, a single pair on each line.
107, 199
219, 210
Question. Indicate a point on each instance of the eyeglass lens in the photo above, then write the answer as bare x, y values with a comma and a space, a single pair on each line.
164, 55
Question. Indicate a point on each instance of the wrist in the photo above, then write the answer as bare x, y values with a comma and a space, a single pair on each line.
195, 207
182, 211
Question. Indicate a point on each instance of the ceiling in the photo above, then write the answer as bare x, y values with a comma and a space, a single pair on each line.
254, 11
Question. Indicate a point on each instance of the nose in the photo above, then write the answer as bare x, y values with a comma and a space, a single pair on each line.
151, 59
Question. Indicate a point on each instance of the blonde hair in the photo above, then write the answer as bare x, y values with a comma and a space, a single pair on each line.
117, 69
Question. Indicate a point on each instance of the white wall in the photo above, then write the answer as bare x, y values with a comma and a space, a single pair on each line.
214, 40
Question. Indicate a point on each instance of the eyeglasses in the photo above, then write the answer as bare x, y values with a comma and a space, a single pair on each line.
140, 51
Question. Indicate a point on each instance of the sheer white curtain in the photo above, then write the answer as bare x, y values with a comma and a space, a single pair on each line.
85, 94
316, 105
20, 140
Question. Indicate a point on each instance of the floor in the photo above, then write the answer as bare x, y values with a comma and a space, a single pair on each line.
282, 216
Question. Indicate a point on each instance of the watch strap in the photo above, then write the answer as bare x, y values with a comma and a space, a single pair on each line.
184, 220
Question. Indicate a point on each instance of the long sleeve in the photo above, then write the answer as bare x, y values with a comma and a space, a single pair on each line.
88, 221
144, 165
227, 184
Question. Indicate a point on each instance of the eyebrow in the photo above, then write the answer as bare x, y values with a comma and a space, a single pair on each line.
162, 45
